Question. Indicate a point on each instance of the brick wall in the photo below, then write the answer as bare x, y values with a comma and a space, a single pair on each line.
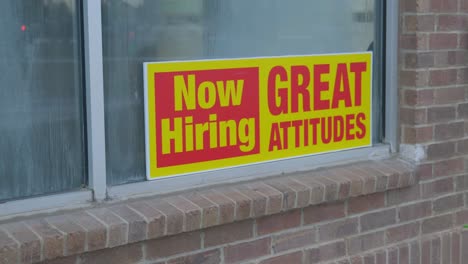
358, 217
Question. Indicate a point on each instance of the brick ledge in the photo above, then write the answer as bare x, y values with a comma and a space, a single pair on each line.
87, 230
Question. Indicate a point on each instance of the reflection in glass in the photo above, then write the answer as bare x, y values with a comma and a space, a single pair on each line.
137, 31
41, 113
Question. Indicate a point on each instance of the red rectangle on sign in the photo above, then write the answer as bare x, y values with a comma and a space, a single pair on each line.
206, 115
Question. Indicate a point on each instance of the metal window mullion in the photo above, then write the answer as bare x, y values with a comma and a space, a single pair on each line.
391, 75
95, 98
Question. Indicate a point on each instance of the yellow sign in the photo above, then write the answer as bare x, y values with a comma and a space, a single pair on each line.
212, 114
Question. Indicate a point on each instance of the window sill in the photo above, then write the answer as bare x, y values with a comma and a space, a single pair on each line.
114, 225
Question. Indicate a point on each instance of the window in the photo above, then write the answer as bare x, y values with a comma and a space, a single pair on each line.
50, 48
162, 30
42, 146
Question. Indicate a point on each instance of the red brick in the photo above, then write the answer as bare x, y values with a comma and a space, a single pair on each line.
444, 5
172, 245
174, 217
441, 150
449, 95
52, 239
424, 171
314, 214
247, 250
449, 131
155, 220
205, 257
419, 97
443, 59
410, 116
381, 257
9, 250
288, 194
326, 252
416, 135
378, 219
414, 6
438, 223
137, 228
463, 41
30, 245
443, 77
462, 77
243, 202
392, 255
317, 190
437, 188
296, 239
462, 110
275, 223
96, 232
435, 250
365, 242
402, 232
116, 227
461, 218
357, 260
398, 196
369, 259
366, 203
448, 203
414, 41
344, 183
192, 213
414, 78
415, 253
415, 211
445, 248
228, 233
356, 183
462, 146
369, 179
226, 206
462, 182
259, 201
403, 254
65, 260
275, 197
338, 229
332, 251
302, 192
295, 257
426, 251
455, 250
75, 236
449, 167
463, 5
331, 188
127, 254
419, 60
419, 23
451, 22
443, 41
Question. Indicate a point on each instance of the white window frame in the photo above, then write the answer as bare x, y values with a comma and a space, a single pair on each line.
98, 191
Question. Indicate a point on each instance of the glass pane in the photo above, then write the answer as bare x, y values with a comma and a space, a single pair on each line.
137, 31
41, 98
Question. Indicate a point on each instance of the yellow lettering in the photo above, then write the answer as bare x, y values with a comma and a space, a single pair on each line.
247, 134
232, 93
169, 135
184, 91
206, 95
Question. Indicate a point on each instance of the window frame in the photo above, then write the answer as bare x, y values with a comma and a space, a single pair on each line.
98, 190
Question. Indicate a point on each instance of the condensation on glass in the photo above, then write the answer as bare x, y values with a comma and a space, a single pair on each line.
41, 98
137, 31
